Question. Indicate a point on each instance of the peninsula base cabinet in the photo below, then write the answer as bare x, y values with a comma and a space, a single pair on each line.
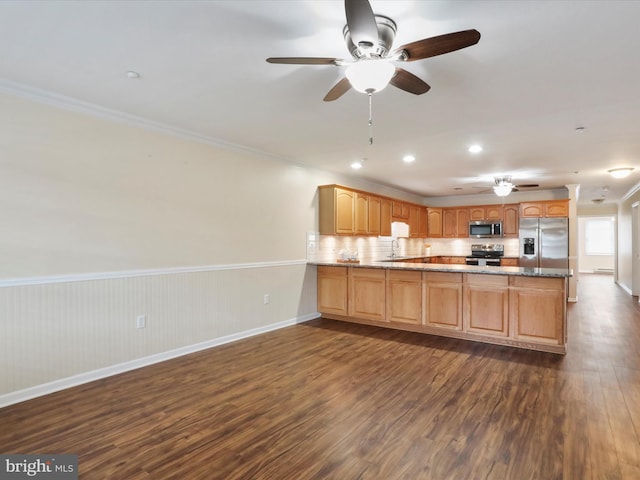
442, 300
486, 304
505, 309
404, 288
538, 309
332, 290
367, 289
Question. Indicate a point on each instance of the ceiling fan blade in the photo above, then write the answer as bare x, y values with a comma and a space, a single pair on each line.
338, 90
303, 60
431, 47
408, 82
361, 22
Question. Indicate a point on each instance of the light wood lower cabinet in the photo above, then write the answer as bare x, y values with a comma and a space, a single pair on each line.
332, 290
538, 309
486, 304
367, 293
442, 300
522, 311
404, 290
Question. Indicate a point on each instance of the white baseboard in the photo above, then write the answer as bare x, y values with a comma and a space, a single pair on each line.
86, 377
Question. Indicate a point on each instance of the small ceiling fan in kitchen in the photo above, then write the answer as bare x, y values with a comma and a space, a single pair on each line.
504, 187
369, 38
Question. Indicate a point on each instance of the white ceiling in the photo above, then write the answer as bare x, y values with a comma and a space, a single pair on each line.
541, 69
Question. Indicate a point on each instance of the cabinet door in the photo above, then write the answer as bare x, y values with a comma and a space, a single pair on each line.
462, 220
422, 226
385, 217
508, 262
476, 213
449, 223
400, 209
414, 221
531, 210
486, 304
361, 214
332, 290
404, 296
373, 224
538, 309
434, 222
442, 300
493, 212
510, 222
556, 208
344, 205
367, 293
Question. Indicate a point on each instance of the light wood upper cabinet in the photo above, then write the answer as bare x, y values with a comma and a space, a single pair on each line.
400, 210
385, 217
404, 290
374, 217
423, 225
462, 222
550, 208
493, 212
442, 300
556, 208
434, 222
414, 220
486, 304
337, 215
531, 210
449, 223
485, 212
510, 222
332, 290
455, 222
476, 213
367, 293
361, 214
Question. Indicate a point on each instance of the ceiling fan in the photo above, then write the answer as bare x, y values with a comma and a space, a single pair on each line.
369, 38
504, 187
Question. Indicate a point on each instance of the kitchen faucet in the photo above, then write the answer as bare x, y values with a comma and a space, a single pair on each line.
393, 252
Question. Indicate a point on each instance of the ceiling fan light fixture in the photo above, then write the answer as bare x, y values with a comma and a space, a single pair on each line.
503, 186
620, 172
369, 76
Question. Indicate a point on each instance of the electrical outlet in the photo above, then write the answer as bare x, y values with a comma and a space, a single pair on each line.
141, 321
267, 299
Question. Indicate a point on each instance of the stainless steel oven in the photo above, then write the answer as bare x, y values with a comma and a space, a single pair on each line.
485, 254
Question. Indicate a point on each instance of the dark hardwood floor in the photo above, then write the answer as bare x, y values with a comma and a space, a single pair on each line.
332, 400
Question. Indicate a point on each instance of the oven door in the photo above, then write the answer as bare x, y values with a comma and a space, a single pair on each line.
483, 262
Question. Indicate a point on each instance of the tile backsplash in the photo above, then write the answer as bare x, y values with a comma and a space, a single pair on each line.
330, 248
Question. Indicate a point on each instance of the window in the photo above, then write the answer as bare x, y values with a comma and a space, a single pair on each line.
598, 236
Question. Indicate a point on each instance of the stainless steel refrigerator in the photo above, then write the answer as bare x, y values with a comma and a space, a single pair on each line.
544, 242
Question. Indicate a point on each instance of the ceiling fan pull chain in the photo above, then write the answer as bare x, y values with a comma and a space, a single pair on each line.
370, 121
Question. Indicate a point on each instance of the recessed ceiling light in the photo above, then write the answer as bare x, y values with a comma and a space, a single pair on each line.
132, 74
620, 172
408, 159
475, 148
356, 165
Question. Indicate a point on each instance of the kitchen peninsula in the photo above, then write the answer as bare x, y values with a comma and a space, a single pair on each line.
514, 306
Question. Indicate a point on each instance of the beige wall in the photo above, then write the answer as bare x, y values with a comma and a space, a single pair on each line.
103, 221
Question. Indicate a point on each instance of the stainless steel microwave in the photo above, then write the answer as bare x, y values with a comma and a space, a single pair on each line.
485, 229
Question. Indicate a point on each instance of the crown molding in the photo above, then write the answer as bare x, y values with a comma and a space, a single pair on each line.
34, 94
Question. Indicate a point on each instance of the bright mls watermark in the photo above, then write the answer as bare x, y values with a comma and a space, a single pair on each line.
50, 467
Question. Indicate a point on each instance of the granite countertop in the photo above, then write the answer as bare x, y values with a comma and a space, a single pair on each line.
398, 264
